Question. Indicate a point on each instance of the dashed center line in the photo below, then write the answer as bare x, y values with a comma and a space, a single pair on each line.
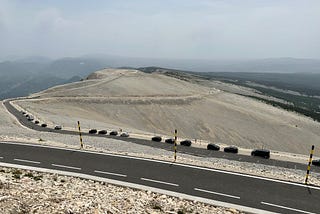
217, 193
160, 182
287, 208
110, 173
67, 167
27, 161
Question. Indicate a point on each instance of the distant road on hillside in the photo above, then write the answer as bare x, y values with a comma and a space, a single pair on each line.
181, 149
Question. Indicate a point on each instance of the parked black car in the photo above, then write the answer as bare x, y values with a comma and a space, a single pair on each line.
156, 138
43, 125
316, 162
185, 143
231, 149
92, 131
36, 122
261, 153
212, 146
102, 132
169, 140
114, 133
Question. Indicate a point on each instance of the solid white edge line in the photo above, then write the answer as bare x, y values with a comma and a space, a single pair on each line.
170, 163
216, 193
27, 161
287, 208
67, 167
110, 173
160, 182
140, 187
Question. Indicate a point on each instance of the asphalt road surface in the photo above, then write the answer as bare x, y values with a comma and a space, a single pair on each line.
235, 188
181, 149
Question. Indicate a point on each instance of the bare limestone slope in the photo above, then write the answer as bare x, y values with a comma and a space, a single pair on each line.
155, 103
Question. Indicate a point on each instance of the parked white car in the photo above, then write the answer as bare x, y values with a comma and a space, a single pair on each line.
57, 127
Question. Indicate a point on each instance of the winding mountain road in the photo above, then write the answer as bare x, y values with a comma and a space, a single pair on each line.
218, 185
181, 149
245, 192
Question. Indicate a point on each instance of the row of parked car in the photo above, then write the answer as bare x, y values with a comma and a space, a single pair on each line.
104, 132
31, 119
211, 146
91, 131
230, 149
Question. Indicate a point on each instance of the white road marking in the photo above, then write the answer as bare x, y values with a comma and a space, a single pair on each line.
110, 173
287, 208
217, 193
170, 163
67, 167
160, 182
27, 161
139, 186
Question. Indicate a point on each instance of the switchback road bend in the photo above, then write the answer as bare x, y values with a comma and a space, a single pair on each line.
245, 190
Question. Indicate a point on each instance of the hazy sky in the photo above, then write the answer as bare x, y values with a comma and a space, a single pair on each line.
210, 29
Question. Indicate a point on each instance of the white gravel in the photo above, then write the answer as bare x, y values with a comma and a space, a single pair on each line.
24, 191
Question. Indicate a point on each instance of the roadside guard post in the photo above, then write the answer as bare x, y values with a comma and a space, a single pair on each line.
175, 144
81, 143
309, 164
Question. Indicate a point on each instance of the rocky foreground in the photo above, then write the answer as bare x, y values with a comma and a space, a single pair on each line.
24, 191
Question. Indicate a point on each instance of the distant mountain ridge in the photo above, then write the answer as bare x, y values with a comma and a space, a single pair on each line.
21, 78
28, 75
268, 65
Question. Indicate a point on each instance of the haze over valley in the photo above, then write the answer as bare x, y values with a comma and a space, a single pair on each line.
21, 77
171, 106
